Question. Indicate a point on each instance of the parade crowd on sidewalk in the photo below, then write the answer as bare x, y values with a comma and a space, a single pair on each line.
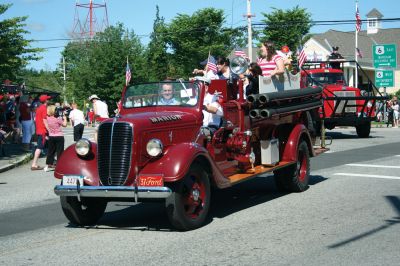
34, 124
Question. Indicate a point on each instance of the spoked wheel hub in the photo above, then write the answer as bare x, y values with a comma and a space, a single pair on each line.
194, 201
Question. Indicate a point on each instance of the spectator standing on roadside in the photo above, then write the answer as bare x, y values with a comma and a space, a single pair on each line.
395, 106
91, 116
77, 119
56, 136
26, 118
41, 130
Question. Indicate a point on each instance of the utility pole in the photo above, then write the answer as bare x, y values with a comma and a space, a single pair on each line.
249, 31
65, 80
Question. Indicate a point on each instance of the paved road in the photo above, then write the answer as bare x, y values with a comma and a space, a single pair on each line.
350, 215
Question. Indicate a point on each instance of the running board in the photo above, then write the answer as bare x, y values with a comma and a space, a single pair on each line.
257, 170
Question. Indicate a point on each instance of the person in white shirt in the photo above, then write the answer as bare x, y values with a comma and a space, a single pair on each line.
212, 110
77, 119
100, 108
100, 111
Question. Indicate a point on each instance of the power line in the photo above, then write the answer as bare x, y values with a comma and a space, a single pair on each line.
255, 25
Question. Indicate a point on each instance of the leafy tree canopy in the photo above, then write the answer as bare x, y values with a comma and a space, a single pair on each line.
287, 27
98, 66
191, 38
15, 51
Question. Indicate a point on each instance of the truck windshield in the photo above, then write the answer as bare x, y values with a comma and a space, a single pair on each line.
325, 78
162, 94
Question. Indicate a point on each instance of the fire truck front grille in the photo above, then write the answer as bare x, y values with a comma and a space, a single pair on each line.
352, 103
114, 152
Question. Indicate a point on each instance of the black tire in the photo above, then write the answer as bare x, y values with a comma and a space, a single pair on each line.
311, 124
188, 206
295, 178
85, 212
363, 130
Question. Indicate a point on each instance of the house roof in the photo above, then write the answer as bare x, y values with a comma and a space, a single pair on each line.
374, 13
346, 40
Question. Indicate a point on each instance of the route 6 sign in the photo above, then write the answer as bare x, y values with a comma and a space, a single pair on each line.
380, 50
384, 56
384, 78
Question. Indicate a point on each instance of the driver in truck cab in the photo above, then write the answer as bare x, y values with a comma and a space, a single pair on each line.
167, 95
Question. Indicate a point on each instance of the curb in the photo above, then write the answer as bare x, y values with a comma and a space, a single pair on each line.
15, 162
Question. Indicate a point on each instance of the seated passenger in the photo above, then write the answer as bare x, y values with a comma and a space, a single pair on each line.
167, 95
212, 111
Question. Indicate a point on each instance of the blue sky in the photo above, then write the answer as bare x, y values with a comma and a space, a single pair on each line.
54, 19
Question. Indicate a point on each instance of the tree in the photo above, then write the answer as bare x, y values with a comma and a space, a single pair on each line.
191, 38
98, 66
14, 52
45, 80
156, 54
287, 27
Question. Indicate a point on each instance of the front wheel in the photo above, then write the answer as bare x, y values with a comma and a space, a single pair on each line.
363, 130
85, 212
188, 206
294, 178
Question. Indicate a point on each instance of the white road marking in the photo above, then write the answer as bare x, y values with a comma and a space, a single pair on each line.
373, 166
364, 175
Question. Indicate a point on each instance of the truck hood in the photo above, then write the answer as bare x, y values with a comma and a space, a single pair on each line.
164, 119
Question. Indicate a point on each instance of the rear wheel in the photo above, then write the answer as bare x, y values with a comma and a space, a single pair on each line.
188, 206
85, 212
363, 130
295, 178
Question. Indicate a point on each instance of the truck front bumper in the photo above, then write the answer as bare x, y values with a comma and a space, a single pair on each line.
114, 192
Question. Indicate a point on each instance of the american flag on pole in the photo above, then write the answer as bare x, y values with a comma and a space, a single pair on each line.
301, 56
212, 64
358, 20
241, 54
128, 75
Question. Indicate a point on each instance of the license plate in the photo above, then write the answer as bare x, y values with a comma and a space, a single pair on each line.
71, 180
151, 181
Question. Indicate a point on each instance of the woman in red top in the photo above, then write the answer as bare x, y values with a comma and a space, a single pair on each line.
270, 62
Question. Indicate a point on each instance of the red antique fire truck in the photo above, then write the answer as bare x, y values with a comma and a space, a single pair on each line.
152, 151
344, 105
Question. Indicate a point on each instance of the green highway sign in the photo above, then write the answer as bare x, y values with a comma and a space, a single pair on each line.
384, 55
384, 78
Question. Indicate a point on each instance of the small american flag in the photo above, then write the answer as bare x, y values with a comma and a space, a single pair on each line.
358, 20
359, 53
212, 64
128, 75
301, 56
241, 54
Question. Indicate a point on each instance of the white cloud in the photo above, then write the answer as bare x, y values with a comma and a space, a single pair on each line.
36, 26
34, 1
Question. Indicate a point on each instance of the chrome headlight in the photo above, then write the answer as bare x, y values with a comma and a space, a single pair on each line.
154, 147
82, 147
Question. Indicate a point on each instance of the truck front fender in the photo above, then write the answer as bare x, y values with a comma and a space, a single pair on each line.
70, 163
298, 133
177, 159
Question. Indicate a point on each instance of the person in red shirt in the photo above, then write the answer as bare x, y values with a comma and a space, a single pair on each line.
41, 131
91, 117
